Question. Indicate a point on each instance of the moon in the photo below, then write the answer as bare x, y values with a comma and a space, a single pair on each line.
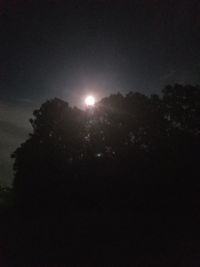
90, 100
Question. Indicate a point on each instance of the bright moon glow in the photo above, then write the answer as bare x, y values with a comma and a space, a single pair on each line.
90, 100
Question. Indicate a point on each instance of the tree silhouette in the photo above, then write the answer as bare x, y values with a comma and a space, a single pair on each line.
97, 177
46, 157
123, 139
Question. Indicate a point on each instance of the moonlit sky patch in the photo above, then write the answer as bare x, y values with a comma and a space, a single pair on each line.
14, 129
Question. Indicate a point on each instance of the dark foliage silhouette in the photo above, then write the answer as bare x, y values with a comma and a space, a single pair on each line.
110, 185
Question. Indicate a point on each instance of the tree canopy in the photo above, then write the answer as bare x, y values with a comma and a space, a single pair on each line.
130, 138
117, 182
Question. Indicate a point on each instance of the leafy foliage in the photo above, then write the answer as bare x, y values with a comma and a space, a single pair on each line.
119, 180
123, 139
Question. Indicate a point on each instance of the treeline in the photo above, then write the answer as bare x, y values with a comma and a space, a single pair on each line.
110, 183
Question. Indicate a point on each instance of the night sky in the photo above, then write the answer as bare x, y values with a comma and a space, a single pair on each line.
54, 49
